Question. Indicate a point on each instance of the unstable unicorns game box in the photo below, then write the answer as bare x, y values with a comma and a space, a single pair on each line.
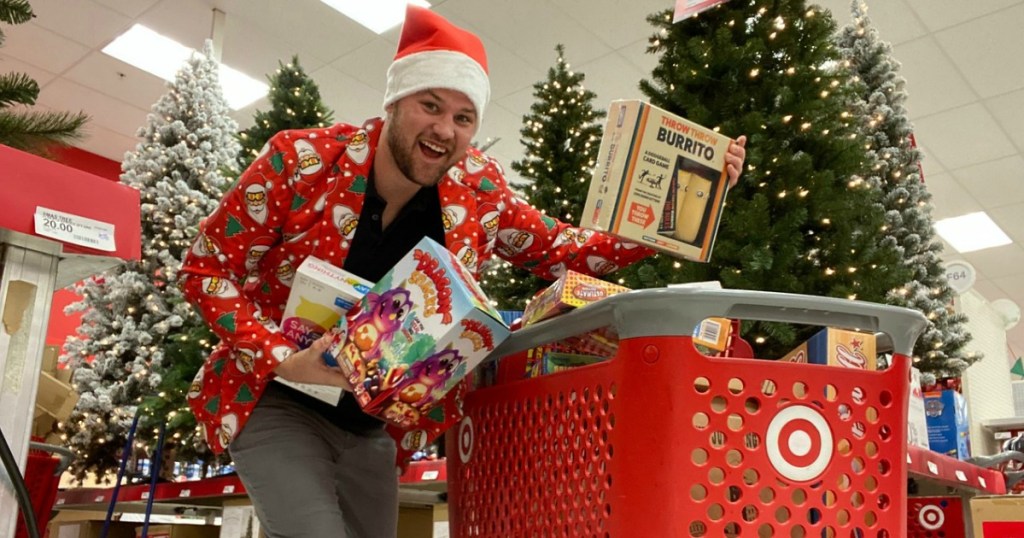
660, 181
415, 335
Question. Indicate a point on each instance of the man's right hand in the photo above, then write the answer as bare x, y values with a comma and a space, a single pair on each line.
308, 366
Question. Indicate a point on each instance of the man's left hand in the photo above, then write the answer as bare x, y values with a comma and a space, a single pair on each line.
734, 160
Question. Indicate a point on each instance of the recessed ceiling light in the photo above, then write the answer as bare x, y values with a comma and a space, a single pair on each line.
971, 232
162, 56
377, 15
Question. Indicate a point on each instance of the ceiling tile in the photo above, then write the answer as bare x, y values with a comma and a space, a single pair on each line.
939, 14
929, 164
310, 28
987, 289
130, 8
42, 48
107, 143
933, 84
963, 136
86, 22
115, 78
105, 111
185, 21
368, 63
612, 77
518, 102
351, 100
614, 22
1011, 219
995, 183
949, 198
10, 64
997, 262
973, 46
503, 23
1012, 285
1008, 110
893, 19
501, 123
509, 73
258, 54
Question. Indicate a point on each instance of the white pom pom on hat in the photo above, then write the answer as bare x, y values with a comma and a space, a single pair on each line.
434, 53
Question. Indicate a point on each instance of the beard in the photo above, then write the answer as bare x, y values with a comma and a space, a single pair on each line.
402, 150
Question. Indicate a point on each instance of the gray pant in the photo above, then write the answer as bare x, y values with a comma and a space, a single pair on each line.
307, 478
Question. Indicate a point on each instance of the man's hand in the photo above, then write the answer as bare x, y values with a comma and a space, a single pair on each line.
307, 366
734, 158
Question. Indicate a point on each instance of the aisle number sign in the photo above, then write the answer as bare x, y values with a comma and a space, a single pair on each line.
961, 276
688, 8
74, 229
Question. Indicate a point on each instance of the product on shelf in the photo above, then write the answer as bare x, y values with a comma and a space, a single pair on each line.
571, 290
660, 180
935, 517
415, 335
948, 429
321, 294
917, 421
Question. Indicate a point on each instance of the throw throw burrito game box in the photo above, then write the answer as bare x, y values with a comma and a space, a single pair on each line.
660, 181
415, 335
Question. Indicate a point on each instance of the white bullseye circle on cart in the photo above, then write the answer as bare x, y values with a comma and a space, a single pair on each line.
931, 517
466, 439
799, 443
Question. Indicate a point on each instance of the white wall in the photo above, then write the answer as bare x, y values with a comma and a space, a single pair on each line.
986, 382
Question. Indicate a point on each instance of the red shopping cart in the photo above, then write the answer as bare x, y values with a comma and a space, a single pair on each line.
43, 469
663, 441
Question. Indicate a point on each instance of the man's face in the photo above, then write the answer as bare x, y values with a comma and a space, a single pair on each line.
428, 132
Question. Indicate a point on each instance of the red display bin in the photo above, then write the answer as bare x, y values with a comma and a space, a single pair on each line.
663, 441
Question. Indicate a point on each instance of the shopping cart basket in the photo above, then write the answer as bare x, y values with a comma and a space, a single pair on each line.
661, 441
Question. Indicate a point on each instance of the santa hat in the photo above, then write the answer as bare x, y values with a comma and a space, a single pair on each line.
434, 53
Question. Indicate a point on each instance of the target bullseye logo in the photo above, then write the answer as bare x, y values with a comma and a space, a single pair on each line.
931, 517
465, 439
799, 443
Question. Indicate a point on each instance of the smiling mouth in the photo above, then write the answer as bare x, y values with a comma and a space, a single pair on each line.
432, 149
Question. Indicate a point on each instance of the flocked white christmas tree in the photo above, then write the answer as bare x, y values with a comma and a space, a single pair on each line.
135, 310
895, 165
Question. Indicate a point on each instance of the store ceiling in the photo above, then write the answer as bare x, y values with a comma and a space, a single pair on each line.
962, 60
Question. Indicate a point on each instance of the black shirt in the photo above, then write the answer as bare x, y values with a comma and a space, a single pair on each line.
373, 253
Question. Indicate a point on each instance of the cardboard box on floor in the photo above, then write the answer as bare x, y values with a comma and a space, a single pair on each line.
998, 517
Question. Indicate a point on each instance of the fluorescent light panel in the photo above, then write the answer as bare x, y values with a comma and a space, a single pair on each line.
162, 56
377, 15
971, 232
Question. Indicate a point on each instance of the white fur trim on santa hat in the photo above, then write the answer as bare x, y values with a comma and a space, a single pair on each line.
443, 69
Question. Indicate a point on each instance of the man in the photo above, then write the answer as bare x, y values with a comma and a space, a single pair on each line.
359, 197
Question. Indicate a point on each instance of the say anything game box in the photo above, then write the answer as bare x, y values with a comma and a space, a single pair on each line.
415, 335
321, 294
660, 181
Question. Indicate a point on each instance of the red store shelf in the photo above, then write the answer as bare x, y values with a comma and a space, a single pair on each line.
417, 474
932, 466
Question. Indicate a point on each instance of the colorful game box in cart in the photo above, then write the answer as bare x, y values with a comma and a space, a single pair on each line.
660, 180
415, 335
571, 290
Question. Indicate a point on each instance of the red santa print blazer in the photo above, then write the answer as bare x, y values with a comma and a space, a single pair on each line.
302, 197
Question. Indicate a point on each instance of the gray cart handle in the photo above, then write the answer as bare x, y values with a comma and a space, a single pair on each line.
677, 311
66, 456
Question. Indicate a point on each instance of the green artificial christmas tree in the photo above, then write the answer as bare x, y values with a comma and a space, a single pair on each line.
561, 134
129, 347
895, 165
34, 131
802, 219
294, 104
